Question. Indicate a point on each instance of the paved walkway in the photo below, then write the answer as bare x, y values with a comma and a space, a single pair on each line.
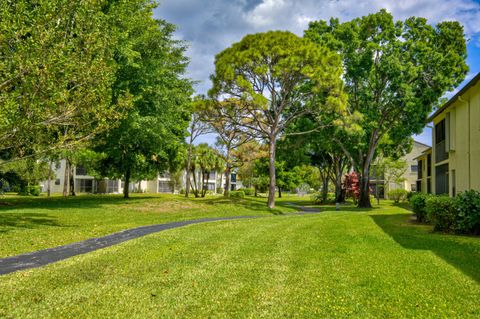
47, 256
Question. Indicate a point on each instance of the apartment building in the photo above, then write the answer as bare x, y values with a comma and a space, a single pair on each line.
453, 163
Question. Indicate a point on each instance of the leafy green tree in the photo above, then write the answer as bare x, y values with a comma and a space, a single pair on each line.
394, 72
57, 67
273, 78
152, 73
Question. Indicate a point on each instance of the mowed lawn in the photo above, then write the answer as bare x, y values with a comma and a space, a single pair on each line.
29, 224
359, 264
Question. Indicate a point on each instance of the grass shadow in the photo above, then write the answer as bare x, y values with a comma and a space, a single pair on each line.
13, 220
462, 252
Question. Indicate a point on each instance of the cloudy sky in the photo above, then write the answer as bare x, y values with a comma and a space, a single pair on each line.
209, 26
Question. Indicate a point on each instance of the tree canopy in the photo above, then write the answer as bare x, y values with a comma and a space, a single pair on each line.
272, 78
394, 73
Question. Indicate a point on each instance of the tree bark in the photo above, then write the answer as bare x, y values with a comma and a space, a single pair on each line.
127, 184
339, 194
66, 178
227, 175
324, 189
271, 169
72, 181
189, 162
49, 185
364, 200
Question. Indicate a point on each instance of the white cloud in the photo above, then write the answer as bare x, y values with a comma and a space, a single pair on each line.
211, 26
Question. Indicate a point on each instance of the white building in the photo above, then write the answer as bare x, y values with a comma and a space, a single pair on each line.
84, 183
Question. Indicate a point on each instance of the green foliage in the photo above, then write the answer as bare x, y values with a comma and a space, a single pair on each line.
151, 137
318, 199
56, 72
418, 202
441, 212
397, 195
237, 194
30, 190
248, 191
394, 73
277, 76
468, 207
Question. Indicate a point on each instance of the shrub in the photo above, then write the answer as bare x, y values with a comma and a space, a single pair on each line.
397, 195
317, 198
182, 191
418, 202
31, 190
237, 194
468, 209
248, 191
410, 194
441, 212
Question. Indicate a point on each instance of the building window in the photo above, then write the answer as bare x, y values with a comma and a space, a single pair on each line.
419, 171
441, 179
80, 171
164, 187
233, 178
440, 147
418, 187
429, 165
112, 186
85, 185
413, 187
211, 186
414, 168
57, 181
429, 186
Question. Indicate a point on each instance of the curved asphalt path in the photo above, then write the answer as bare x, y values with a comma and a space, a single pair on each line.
47, 256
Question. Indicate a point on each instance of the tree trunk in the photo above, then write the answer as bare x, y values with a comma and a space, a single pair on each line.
127, 184
339, 194
364, 200
271, 171
324, 189
256, 191
189, 162
72, 181
49, 185
194, 186
66, 178
279, 192
227, 175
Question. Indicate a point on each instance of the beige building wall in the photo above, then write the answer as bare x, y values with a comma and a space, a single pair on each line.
462, 126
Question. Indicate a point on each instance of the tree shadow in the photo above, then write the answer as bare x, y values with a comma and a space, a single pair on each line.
462, 252
60, 203
8, 221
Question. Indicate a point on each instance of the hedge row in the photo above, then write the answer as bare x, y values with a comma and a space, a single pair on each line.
460, 214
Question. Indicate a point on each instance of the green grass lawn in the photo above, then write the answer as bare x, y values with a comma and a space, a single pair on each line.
350, 264
29, 224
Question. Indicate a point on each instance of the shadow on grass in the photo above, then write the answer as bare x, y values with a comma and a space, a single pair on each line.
81, 201
13, 220
459, 251
249, 203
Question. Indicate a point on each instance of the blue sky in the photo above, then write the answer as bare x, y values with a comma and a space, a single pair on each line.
209, 26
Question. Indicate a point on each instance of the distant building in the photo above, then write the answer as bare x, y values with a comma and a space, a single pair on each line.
84, 183
409, 177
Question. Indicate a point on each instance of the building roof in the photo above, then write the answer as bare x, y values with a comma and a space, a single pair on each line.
467, 86
422, 144
426, 151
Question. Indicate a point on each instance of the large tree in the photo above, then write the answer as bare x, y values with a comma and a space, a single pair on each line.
152, 73
394, 72
57, 65
277, 77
